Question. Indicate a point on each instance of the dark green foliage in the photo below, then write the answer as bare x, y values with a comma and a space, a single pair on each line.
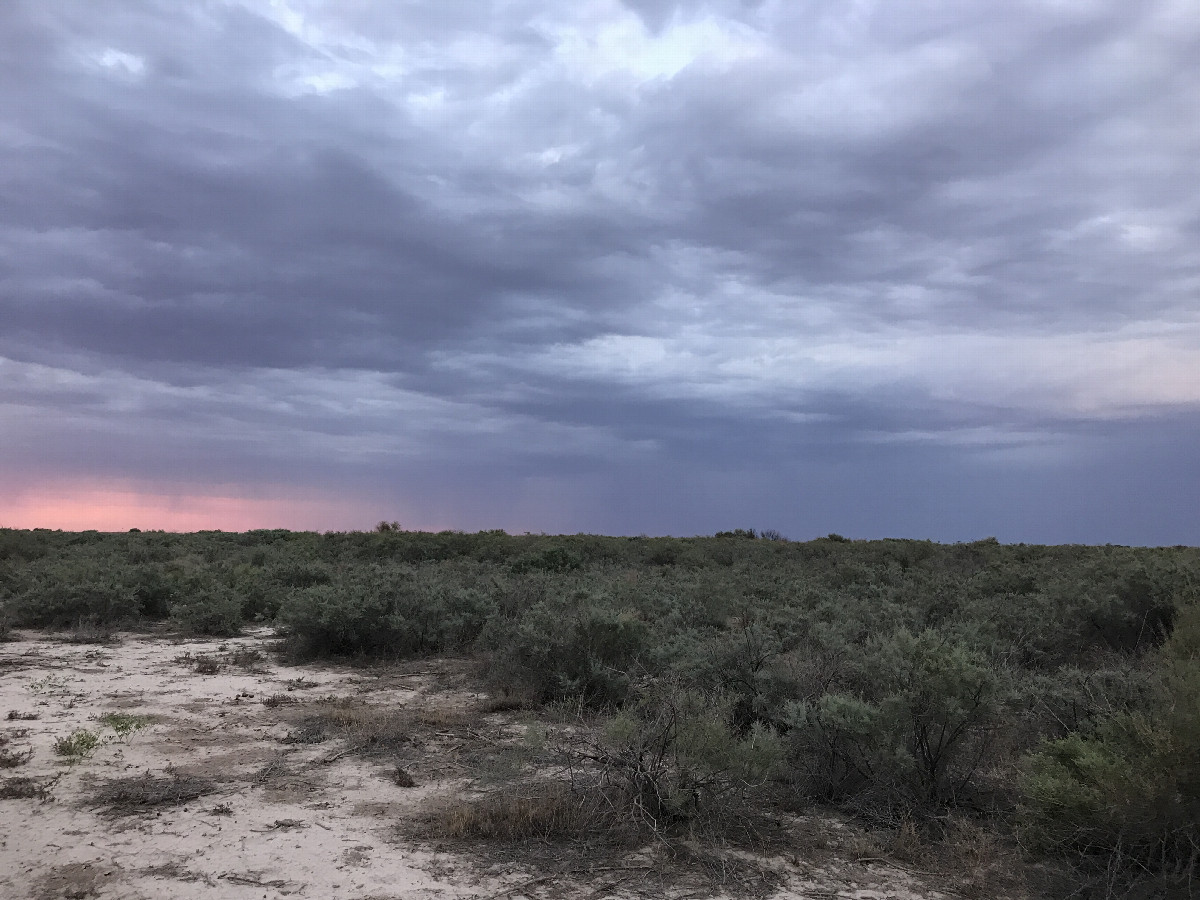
674, 757
912, 736
581, 646
552, 559
1123, 797
22, 545
62, 593
207, 608
387, 610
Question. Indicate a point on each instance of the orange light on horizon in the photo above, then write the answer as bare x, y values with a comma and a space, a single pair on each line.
105, 509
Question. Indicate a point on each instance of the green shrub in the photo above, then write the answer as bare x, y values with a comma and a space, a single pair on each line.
388, 610
751, 663
674, 757
68, 592
23, 545
578, 648
552, 559
208, 608
915, 735
90, 589
1124, 798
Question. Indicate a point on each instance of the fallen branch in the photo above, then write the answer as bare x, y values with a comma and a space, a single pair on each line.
254, 882
326, 760
519, 887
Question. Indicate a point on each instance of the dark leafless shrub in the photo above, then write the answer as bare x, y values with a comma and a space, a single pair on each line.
22, 788
10, 759
129, 796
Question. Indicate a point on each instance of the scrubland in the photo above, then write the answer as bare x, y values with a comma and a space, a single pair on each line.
494, 715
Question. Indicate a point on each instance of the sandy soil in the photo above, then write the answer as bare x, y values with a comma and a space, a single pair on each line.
283, 816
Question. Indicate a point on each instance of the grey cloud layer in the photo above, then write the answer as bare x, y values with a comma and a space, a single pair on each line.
664, 243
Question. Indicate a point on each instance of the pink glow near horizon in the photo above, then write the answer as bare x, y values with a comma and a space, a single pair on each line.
107, 509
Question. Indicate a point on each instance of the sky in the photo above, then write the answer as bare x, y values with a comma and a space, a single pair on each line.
921, 269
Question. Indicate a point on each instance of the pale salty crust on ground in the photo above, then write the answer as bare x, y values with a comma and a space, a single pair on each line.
275, 816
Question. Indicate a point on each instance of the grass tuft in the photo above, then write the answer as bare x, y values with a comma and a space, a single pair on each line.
539, 811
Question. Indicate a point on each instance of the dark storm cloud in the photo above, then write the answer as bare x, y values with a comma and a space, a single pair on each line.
571, 251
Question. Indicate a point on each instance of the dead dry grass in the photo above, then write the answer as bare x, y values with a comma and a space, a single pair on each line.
75, 881
22, 788
142, 793
576, 842
10, 758
540, 811
368, 729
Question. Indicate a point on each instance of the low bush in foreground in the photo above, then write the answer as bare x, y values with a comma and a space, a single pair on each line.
1122, 801
914, 735
673, 759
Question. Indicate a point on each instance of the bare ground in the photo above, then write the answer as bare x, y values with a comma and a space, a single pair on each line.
213, 770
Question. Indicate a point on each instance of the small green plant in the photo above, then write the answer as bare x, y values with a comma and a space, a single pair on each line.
80, 744
914, 737
124, 724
